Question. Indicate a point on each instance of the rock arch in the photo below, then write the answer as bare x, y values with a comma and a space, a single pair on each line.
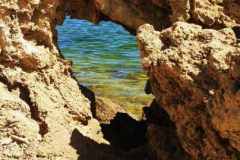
37, 89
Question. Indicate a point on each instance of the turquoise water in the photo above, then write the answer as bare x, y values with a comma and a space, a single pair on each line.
106, 59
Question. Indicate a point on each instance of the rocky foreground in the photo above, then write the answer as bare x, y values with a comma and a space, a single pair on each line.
194, 75
192, 58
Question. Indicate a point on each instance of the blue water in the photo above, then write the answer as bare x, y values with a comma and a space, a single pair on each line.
105, 58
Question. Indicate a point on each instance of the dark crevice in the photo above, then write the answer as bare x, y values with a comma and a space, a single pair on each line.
236, 86
157, 115
236, 30
35, 114
169, 142
192, 8
5, 81
148, 88
90, 95
125, 133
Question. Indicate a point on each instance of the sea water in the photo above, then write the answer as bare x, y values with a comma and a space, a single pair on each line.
105, 59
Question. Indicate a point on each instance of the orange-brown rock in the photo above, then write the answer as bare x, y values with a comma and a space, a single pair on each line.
194, 75
159, 13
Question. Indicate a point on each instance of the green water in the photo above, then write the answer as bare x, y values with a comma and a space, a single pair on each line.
106, 60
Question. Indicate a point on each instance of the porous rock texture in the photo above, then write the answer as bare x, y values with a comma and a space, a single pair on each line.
194, 75
40, 103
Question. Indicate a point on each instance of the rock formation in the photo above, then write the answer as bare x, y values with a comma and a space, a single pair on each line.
194, 75
193, 70
159, 13
105, 110
41, 104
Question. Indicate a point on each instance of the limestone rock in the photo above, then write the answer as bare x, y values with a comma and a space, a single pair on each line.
19, 134
194, 74
105, 110
40, 103
159, 13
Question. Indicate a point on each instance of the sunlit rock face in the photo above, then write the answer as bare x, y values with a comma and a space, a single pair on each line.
40, 103
194, 75
193, 72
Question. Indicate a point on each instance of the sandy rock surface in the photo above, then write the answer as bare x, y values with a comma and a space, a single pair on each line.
192, 62
194, 75
40, 103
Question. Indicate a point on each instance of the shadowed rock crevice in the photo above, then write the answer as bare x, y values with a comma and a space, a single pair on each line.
162, 135
90, 95
35, 114
124, 132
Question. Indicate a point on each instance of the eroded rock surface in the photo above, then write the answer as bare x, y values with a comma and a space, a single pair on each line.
159, 13
194, 75
40, 103
193, 72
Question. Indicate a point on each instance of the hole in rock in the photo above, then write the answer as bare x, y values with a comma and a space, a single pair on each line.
105, 60
106, 63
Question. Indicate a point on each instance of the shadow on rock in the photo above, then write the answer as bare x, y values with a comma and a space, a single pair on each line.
124, 132
90, 95
88, 149
162, 135
127, 136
